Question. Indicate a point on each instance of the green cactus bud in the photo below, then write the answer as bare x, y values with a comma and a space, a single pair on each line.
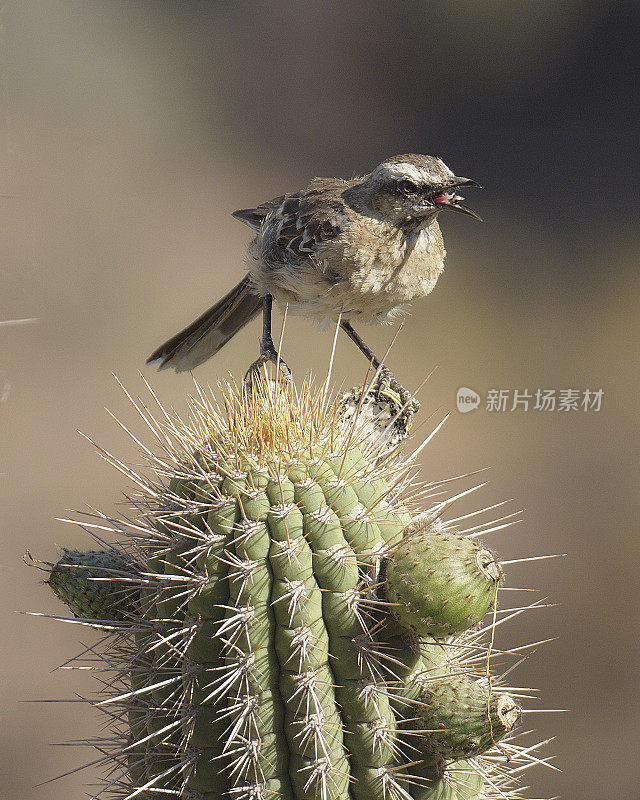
464, 718
92, 584
440, 583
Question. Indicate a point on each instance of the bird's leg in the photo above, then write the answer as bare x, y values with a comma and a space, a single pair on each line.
386, 377
268, 351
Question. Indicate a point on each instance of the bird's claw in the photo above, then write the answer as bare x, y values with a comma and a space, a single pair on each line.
268, 353
387, 380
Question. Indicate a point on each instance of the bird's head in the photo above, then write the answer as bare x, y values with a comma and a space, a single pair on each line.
411, 190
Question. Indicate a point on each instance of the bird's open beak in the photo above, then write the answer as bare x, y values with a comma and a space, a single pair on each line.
447, 198
465, 182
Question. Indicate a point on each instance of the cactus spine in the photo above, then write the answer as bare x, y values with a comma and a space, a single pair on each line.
285, 623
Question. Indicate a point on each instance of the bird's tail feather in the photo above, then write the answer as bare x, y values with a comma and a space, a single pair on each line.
211, 331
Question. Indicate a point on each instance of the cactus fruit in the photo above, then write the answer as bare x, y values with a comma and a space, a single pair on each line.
469, 717
91, 584
285, 623
440, 583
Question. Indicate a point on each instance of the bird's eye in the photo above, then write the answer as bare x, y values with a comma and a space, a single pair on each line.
409, 187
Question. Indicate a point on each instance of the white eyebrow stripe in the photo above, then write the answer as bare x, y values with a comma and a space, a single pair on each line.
405, 170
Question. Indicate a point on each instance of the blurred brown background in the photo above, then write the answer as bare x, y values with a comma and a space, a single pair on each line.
128, 133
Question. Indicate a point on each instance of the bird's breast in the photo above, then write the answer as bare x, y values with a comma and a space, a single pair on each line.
397, 266
372, 273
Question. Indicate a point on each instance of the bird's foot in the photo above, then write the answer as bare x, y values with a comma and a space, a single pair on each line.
268, 353
387, 380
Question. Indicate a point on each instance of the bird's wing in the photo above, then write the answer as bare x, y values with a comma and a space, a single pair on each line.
302, 221
254, 217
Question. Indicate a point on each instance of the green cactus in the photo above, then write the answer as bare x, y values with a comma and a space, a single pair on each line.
288, 625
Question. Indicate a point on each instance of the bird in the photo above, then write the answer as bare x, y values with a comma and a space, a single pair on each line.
339, 250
